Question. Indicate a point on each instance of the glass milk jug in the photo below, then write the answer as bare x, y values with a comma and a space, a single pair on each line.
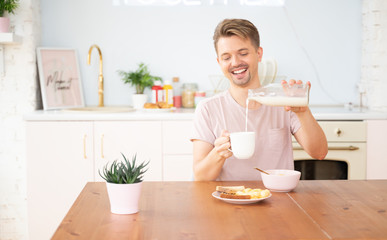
276, 94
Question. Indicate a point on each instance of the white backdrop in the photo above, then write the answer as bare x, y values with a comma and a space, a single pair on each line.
312, 40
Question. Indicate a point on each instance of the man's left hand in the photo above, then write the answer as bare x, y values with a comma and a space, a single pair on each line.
296, 109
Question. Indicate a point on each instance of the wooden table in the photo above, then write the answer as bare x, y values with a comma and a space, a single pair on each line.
326, 209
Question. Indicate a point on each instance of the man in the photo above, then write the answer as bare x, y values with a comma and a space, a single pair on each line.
238, 51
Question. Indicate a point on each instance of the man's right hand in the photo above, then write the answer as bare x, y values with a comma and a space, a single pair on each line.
223, 144
209, 158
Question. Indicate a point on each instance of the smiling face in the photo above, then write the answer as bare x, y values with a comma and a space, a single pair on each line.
238, 59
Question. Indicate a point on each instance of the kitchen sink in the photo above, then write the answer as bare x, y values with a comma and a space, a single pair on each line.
95, 109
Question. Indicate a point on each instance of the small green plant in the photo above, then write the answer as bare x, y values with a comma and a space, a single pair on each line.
140, 79
124, 172
8, 6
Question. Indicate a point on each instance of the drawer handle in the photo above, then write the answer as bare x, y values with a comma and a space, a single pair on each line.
348, 148
338, 132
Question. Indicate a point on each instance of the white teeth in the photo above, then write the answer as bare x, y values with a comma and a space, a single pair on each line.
239, 71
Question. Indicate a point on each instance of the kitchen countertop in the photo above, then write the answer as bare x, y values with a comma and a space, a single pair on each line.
64, 115
345, 113
319, 112
318, 209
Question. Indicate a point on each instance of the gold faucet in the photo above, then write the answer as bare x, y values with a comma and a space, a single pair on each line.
100, 78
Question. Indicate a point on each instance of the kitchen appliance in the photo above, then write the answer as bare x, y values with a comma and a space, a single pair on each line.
346, 158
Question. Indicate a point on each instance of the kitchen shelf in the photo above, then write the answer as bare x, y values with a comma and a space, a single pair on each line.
6, 38
9, 38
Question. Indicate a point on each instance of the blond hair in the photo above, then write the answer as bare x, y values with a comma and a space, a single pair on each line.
239, 27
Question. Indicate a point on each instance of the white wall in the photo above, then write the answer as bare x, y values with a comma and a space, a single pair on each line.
177, 41
374, 54
18, 88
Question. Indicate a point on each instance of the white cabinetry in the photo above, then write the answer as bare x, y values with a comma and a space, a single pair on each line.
129, 137
376, 149
177, 150
63, 155
59, 163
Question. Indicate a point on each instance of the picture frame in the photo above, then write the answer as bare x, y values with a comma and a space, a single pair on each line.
59, 78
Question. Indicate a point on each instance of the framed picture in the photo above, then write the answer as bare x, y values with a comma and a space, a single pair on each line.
60, 81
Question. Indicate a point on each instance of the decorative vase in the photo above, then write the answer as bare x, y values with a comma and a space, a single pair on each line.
139, 100
124, 198
4, 24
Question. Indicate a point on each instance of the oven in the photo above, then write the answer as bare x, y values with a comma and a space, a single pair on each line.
346, 158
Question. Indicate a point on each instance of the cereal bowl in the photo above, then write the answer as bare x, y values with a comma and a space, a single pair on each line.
281, 180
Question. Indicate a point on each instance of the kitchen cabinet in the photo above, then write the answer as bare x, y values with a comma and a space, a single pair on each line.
140, 138
59, 163
63, 155
376, 149
177, 168
177, 150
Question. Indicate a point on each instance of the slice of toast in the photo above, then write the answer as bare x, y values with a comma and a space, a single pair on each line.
229, 189
234, 196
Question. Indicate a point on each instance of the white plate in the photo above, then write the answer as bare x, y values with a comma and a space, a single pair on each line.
157, 110
271, 71
216, 195
262, 71
275, 69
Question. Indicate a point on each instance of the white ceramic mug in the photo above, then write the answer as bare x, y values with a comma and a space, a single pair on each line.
242, 144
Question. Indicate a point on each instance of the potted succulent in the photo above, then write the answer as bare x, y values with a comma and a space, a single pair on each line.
123, 183
6, 6
140, 79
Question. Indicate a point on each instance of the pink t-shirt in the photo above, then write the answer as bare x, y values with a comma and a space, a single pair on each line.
273, 127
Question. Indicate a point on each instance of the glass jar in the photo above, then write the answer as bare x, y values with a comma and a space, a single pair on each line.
199, 95
188, 95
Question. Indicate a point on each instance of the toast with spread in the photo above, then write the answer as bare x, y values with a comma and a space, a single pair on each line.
240, 192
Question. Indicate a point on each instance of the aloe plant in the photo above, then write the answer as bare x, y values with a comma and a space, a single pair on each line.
124, 172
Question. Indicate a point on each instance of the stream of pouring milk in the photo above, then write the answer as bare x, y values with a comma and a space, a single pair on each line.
247, 112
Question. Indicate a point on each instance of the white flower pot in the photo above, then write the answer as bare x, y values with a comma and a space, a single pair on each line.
139, 100
124, 198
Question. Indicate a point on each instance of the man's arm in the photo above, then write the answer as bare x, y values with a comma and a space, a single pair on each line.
310, 135
209, 159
